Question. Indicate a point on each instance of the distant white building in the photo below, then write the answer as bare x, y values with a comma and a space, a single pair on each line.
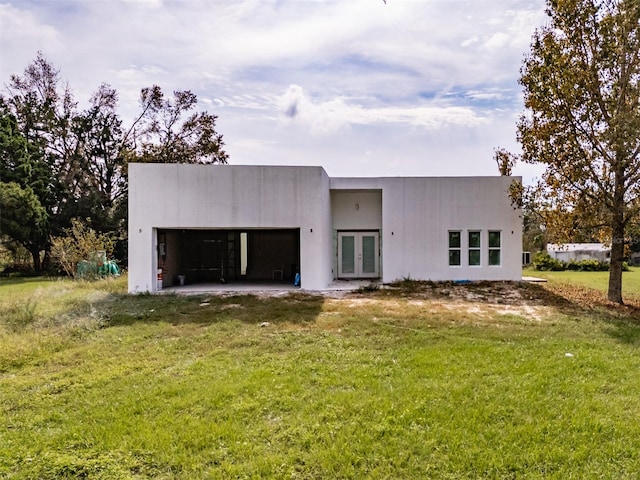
566, 252
207, 223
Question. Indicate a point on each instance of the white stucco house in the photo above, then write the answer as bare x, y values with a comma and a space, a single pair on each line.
212, 223
567, 252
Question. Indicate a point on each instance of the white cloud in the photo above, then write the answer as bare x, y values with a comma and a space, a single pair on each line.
22, 31
497, 41
327, 117
401, 80
470, 41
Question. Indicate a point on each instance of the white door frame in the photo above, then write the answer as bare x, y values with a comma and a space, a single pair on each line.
357, 269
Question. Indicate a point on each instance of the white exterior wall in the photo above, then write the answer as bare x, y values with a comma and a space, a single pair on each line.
414, 216
228, 197
356, 210
418, 213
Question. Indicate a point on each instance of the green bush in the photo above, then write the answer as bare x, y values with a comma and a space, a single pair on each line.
82, 250
543, 261
588, 265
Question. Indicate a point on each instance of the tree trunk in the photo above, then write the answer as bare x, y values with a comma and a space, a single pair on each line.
617, 255
46, 262
35, 255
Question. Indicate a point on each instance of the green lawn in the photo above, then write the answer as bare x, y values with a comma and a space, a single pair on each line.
596, 280
452, 382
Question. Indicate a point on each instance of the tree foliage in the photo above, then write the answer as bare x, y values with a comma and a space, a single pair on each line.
75, 161
23, 218
505, 161
581, 83
164, 136
79, 242
24, 184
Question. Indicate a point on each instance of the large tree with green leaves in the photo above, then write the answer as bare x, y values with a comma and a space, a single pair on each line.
44, 109
23, 219
24, 184
75, 161
581, 83
105, 149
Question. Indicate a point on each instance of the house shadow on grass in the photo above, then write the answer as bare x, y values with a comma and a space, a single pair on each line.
293, 308
581, 303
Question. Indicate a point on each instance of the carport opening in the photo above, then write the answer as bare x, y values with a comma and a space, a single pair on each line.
227, 256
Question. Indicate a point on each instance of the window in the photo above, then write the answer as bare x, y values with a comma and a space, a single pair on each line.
454, 248
494, 247
474, 248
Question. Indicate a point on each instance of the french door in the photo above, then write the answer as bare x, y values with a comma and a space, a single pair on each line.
358, 254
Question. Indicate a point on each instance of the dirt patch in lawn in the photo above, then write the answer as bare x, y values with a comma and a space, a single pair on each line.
475, 300
478, 300
529, 300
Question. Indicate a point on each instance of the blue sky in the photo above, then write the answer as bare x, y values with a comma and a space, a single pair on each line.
410, 87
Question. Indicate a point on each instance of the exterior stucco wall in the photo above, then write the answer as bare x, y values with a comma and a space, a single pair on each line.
414, 216
356, 210
418, 213
227, 197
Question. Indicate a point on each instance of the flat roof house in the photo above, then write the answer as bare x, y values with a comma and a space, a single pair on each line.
212, 223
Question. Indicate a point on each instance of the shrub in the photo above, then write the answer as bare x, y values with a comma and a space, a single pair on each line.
544, 262
82, 245
14, 259
18, 269
588, 265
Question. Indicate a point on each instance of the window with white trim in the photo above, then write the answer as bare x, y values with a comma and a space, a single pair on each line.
474, 248
454, 248
495, 247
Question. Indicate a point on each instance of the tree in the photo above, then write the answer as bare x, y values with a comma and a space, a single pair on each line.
104, 148
505, 161
581, 84
75, 162
165, 137
43, 110
24, 181
23, 218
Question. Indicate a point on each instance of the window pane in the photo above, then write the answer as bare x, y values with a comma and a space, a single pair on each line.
494, 257
348, 255
368, 254
454, 239
474, 239
454, 257
494, 239
474, 257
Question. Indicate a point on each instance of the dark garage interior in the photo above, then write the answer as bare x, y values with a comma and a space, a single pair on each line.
227, 256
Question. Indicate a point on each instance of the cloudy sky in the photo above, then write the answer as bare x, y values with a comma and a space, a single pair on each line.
361, 87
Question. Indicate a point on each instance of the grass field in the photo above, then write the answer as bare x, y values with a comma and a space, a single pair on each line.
420, 381
596, 280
